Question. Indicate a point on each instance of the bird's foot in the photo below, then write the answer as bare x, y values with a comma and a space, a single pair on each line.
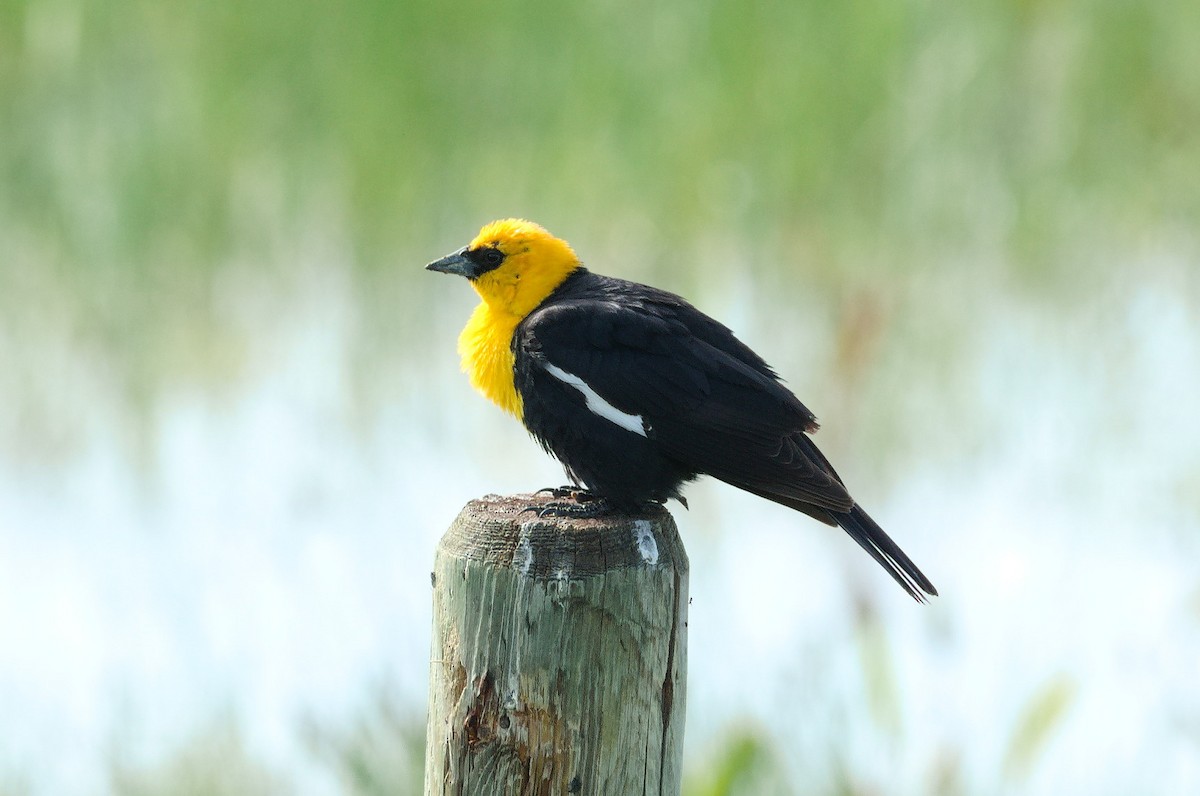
564, 491
581, 505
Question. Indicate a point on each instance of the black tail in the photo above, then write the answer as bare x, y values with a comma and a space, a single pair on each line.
871, 537
867, 533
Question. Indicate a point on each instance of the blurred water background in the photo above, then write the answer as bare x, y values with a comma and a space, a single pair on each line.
232, 427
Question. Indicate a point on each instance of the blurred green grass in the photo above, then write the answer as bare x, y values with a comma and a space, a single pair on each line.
130, 128
381, 753
148, 151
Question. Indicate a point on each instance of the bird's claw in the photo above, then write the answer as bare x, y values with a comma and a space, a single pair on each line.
570, 491
580, 507
559, 492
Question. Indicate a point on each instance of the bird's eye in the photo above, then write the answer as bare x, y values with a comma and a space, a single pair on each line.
485, 258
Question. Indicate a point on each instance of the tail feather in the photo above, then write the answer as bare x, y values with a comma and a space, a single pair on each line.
871, 538
863, 530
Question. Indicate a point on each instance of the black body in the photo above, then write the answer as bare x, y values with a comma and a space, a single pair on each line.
709, 405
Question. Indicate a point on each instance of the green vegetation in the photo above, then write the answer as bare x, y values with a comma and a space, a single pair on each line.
147, 147
745, 763
382, 754
173, 171
1040, 718
213, 763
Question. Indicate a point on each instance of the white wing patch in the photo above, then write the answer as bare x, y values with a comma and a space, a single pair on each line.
598, 405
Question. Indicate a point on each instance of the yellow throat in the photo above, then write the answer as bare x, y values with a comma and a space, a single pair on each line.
535, 263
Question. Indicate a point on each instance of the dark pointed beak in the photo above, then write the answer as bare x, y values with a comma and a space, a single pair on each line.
456, 263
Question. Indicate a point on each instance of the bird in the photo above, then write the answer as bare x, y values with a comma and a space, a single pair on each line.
637, 393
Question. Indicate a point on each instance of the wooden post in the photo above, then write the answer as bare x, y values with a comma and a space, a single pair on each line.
559, 659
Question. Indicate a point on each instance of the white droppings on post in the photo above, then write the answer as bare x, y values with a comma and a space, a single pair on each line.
523, 556
643, 534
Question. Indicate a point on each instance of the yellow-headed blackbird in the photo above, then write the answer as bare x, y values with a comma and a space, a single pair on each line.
637, 392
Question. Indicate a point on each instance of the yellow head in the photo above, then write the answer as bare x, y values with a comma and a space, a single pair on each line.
512, 264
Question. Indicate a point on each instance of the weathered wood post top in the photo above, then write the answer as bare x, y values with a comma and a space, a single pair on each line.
559, 653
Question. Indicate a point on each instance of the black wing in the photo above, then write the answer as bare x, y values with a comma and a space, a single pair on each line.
710, 403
